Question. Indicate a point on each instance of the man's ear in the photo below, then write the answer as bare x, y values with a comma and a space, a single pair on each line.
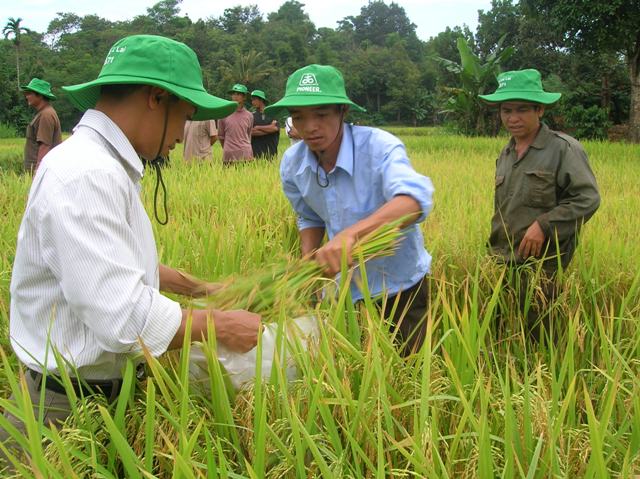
155, 96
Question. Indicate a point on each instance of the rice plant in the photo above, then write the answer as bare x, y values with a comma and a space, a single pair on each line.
474, 402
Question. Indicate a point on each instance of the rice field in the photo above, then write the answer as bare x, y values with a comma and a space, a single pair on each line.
475, 402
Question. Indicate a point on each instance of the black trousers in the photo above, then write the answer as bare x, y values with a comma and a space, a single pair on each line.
534, 290
409, 316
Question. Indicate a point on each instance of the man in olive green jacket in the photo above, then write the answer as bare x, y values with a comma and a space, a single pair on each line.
544, 188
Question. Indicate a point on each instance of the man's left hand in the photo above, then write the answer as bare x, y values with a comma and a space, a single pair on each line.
531, 244
330, 255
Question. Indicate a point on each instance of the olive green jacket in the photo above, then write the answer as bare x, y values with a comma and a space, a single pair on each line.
552, 184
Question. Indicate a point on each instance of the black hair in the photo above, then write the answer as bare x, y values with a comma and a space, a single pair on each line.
121, 91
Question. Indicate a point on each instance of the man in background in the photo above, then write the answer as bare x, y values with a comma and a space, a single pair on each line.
290, 130
544, 192
44, 132
234, 131
199, 137
265, 134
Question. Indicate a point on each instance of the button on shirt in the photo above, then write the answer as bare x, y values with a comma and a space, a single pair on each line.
372, 168
86, 275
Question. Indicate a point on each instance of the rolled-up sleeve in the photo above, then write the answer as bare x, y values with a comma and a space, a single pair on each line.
90, 247
399, 178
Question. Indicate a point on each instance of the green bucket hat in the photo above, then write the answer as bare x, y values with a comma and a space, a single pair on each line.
314, 85
41, 87
239, 88
157, 61
521, 85
259, 94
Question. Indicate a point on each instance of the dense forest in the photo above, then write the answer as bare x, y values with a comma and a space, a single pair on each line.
589, 51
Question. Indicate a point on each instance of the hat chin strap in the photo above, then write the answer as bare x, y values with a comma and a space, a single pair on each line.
159, 181
320, 154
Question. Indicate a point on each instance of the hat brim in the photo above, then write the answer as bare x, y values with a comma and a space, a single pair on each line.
296, 101
208, 107
50, 96
532, 96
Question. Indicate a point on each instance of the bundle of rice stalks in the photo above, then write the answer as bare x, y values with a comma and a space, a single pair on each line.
290, 285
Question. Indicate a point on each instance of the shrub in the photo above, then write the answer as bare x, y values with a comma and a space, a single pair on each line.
7, 131
592, 122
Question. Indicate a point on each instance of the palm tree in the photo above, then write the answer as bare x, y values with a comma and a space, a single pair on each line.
248, 68
14, 28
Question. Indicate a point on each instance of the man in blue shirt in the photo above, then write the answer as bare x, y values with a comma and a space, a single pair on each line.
349, 180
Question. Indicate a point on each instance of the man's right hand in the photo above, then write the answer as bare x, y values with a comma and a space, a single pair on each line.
237, 329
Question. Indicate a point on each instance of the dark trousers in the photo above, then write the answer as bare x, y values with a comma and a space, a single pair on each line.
535, 290
409, 316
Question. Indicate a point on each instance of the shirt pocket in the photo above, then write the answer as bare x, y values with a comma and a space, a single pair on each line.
539, 189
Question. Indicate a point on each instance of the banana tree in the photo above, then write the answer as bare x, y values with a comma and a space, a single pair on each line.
477, 76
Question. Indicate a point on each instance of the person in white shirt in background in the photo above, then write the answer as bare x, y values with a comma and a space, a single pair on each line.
199, 137
291, 131
86, 278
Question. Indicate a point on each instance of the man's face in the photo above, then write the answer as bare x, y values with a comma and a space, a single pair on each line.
317, 125
520, 118
179, 112
33, 99
238, 98
257, 103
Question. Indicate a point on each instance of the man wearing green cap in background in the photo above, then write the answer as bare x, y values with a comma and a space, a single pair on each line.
265, 134
86, 276
346, 181
544, 190
234, 131
43, 133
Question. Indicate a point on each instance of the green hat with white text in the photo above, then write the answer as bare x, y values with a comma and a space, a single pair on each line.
314, 85
521, 85
157, 61
40, 87
239, 88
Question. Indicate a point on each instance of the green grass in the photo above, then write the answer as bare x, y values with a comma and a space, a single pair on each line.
474, 403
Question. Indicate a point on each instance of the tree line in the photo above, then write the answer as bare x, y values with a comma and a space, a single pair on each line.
588, 50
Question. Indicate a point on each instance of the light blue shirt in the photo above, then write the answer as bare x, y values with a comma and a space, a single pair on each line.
372, 168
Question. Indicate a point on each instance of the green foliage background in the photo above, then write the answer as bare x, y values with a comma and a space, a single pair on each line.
388, 69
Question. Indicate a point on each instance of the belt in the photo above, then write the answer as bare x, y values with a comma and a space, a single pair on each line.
110, 388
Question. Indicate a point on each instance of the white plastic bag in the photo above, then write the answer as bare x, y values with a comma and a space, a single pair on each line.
241, 367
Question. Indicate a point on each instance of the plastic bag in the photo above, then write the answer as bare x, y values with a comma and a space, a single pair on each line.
241, 367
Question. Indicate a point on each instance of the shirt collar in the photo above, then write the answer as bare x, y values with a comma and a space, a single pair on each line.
542, 138
539, 142
105, 127
345, 154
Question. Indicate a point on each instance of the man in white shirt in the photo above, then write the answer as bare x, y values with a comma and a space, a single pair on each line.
291, 131
86, 276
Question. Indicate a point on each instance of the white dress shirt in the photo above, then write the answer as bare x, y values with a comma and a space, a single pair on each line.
85, 278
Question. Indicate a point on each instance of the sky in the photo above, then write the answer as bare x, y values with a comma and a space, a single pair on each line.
430, 16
